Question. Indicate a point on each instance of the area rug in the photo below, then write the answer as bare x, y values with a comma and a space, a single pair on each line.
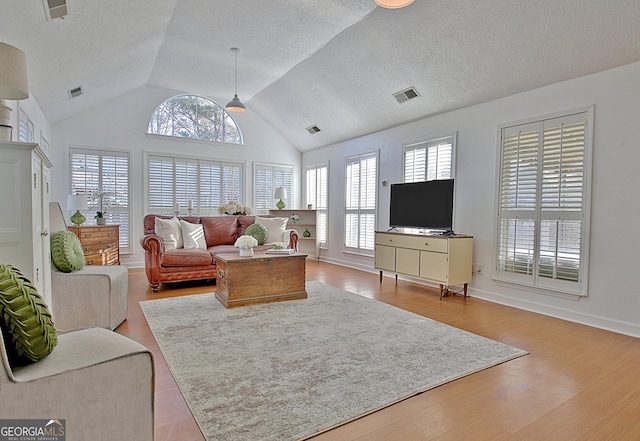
291, 370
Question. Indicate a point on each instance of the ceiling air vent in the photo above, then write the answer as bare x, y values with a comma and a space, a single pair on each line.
55, 8
406, 95
74, 93
313, 129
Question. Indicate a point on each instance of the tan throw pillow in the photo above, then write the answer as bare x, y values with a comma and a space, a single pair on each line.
275, 228
170, 232
193, 235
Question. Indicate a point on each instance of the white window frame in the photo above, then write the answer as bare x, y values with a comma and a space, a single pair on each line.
266, 178
189, 182
361, 238
115, 187
431, 159
317, 194
543, 199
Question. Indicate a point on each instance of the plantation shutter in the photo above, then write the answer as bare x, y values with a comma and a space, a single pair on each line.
206, 184
360, 196
426, 161
266, 179
543, 185
94, 173
318, 195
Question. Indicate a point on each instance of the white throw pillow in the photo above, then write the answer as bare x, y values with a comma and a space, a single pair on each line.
170, 232
275, 228
193, 235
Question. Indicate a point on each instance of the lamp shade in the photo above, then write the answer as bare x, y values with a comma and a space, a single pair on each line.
13, 73
281, 193
77, 202
394, 4
235, 105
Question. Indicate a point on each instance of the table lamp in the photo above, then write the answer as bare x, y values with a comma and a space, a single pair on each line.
13, 84
77, 202
281, 193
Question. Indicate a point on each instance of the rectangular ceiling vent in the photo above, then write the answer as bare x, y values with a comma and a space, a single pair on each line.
313, 129
75, 93
55, 8
406, 95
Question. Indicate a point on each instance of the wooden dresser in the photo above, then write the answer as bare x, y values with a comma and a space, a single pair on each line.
101, 243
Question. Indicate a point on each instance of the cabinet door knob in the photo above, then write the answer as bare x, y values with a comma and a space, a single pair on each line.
45, 233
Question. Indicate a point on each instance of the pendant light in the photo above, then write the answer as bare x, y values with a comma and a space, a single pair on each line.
235, 105
394, 4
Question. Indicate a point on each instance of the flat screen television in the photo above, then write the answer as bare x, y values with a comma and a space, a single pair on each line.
427, 205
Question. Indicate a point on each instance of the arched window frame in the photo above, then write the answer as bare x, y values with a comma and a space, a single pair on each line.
208, 121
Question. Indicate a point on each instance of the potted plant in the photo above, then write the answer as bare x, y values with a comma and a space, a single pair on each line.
100, 219
102, 208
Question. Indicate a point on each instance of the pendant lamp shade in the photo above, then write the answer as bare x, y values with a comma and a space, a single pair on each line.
235, 105
394, 4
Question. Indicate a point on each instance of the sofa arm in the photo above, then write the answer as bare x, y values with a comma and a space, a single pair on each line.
290, 237
153, 249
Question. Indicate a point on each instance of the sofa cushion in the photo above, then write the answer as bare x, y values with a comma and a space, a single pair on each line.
220, 230
275, 227
193, 235
257, 231
186, 257
170, 232
66, 251
25, 319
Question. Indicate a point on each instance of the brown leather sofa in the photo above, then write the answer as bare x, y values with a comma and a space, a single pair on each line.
182, 264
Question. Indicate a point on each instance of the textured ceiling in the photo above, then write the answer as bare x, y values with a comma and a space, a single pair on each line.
332, 63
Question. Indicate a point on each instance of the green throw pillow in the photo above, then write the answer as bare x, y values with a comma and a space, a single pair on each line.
66, 252
258, 231
25, 319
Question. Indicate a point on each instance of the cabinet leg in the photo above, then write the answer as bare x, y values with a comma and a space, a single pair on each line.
396, 279
380, 277
441, 290
465, 290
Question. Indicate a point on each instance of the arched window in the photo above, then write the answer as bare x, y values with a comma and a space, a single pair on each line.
195, 117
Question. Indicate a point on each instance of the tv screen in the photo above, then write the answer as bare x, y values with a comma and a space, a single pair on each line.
427, 204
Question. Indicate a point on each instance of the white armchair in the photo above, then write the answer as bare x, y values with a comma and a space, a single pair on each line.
100, 382
95, 296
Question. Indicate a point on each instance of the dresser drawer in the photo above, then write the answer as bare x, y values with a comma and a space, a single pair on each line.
100, 243
416, 242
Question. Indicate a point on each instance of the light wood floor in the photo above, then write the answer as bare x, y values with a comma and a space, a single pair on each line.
578, 383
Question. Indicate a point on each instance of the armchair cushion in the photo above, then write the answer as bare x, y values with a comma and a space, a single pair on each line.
25, 319
66, 251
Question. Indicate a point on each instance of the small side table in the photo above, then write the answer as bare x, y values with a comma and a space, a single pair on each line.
100, 243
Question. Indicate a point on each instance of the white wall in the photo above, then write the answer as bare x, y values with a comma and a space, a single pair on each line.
613, 300
121, 124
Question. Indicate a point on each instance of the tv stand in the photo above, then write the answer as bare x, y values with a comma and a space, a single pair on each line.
443, 259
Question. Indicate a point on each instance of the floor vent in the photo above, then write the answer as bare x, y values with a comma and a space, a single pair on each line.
74, 93
55, 9
406, 95
313, 129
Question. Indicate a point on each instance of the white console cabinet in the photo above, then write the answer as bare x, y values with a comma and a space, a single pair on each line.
446, 260
24, 218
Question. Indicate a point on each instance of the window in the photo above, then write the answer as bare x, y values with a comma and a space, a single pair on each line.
96, 173
317, 177
360, 196
266, 179
429, 160
201, 184
188, 116
543, 203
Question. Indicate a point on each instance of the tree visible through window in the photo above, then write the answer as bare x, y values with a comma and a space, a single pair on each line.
189, 116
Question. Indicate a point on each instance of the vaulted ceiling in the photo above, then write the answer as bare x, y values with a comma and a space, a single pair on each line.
330, 63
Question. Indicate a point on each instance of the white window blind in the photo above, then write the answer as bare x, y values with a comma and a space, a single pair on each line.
360, 197
26, 127
317, 180
433, 159
266, 179
204, 183
106, 174
542, 213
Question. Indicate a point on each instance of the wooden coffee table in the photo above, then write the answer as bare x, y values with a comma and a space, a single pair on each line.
262, 278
